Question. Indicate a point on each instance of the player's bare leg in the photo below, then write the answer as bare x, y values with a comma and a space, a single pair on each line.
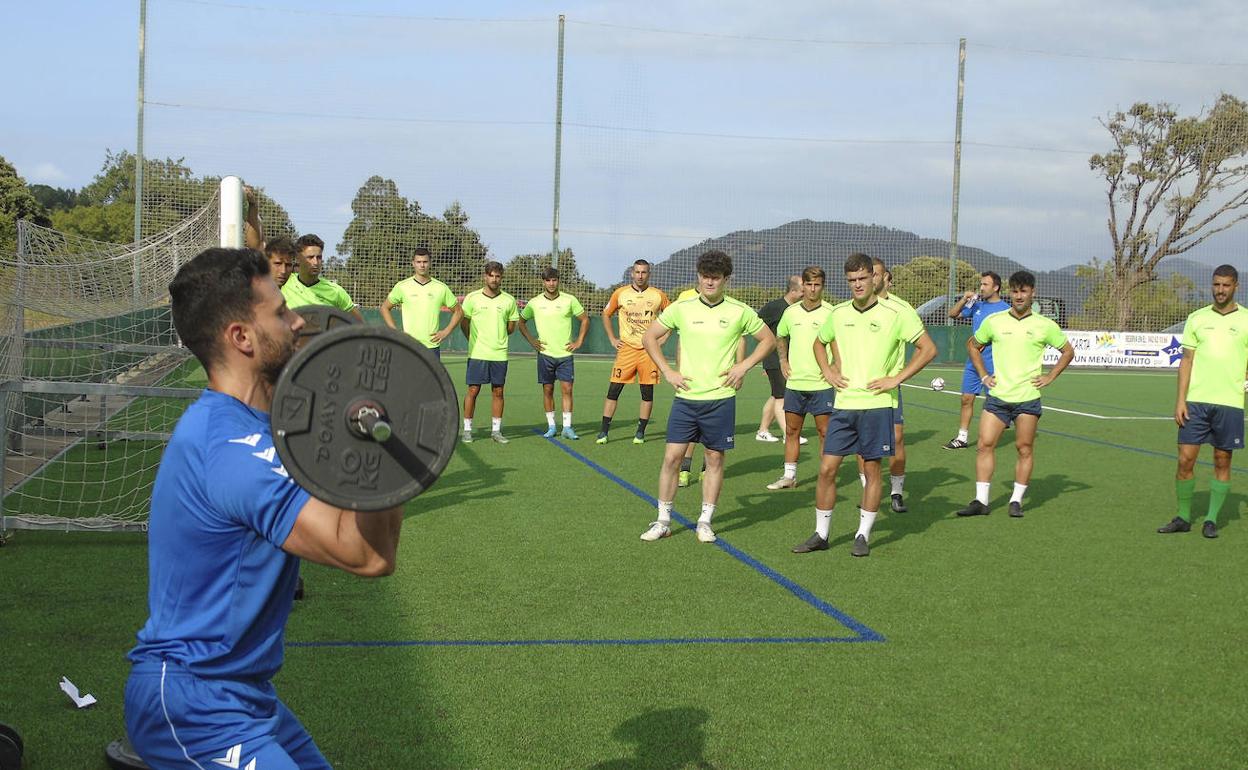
470, 408
792, 429
662, 525
496, 412
825, 499
1024, 441
964, 423
897, 470
990, 429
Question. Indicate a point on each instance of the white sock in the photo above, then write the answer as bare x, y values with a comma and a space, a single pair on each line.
790, 470
963, 435
708, 510
866, 520
567, 420
496, 424
1019, 491
862, 477
665, 512
468, 424
898, 482
550, 419
823, 523
981, 491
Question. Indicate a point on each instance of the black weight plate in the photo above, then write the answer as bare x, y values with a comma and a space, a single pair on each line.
10, 754
12, 734
120, 755
315, 441
321, 318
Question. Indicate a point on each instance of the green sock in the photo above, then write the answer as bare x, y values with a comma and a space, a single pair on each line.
1218, 490
1183, 490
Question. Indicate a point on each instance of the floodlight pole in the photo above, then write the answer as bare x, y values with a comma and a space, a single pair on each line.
138, 148
554, 249
957, 178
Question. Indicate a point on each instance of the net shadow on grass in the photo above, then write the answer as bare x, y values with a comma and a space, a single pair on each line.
662, 739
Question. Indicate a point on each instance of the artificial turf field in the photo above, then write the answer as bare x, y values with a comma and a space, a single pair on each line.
528, 627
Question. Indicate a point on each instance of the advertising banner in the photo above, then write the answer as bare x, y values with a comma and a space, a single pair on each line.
1122, 349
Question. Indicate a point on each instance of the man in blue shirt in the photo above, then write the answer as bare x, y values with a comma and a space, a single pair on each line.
976, 306
227, 529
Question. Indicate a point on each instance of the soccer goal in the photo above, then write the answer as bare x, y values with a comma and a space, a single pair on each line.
92, 376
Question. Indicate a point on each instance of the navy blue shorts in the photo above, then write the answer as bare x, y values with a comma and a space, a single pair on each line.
1007, 413
865, 432
437, 353
709, 423
775, 378
809, 401
970, 378
551, 369
898, 418
1222, 426
483, 372
172, 714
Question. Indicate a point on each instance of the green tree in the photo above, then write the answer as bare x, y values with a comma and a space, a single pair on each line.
923, 278
16, 202
1155, 305
522, 276
1172, 182
54, 198
113, 223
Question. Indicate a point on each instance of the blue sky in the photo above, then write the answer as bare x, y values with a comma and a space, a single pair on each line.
683, 120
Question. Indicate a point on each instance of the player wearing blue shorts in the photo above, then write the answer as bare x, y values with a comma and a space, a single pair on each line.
228, 527
1210, 405
977, 307
866, 336
490, 317
552, 312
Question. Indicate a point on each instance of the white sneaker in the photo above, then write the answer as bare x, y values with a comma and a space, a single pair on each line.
705, 533
784, 482
499, 438
764, 435
657, 531
802, 440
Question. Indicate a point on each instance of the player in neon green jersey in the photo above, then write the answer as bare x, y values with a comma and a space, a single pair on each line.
704, 410
490, 317
805, 391
1210, 404
307, 287
867, 336
422, 298
1018, 338
552, 312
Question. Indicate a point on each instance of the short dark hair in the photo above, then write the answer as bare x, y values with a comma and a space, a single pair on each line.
309, 240
493, 267
715, 262
813, 272
280, 245
858, 261
421, 251
641, 262
210, 292
548, 273
877, 261
996, 279
1226, 271
1022, 280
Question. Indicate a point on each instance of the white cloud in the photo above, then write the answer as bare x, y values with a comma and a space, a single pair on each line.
46, 173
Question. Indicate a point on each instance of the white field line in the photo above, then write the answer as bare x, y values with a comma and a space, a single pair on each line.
1050, 408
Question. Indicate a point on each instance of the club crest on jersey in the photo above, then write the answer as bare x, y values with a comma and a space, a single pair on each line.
874, 326
723, 323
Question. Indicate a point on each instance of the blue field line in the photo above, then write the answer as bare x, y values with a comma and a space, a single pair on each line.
865, 633
1097, 441
595, 642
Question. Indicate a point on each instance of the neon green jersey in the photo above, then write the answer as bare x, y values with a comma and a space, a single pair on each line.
422, 305
708, 342
323, 292
487, 328
802, 326
553, 318
900, 362
1017, 352
1220, 342
868, 341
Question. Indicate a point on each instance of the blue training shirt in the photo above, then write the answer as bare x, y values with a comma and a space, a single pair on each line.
219, 585
977, 313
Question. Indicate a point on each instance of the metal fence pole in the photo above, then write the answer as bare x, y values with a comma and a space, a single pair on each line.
957, 186
554, 249
138, 148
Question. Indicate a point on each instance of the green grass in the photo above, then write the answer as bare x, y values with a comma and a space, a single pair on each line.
1075, 637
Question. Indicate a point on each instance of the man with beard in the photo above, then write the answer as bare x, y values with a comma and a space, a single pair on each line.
309, 288
227, 530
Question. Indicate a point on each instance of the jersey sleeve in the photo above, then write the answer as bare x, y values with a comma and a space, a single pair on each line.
577, 309
910, 327
670, 317
984, 334
260, 494
448, 298
827, 332
1055, 338
1191, 339
750, 322
342, 300
469, 305
663, 300
395, 297
613, 304
784, 327
527, 312
967, 311
512, 313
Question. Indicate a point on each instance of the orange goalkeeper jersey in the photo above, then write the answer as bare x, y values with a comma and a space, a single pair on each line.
637, 310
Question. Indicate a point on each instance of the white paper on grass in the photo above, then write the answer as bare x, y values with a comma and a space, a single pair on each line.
71, 689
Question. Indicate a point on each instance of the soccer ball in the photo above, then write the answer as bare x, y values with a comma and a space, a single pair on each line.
938, 383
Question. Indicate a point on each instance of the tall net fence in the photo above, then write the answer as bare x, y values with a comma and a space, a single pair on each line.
382, 132
93, 376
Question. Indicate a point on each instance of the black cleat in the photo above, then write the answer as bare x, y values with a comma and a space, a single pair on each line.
812, 543
974, 508
1176, 525
1016, 510
299, 589
899, 505
860, 546
954, 443
1209, 530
